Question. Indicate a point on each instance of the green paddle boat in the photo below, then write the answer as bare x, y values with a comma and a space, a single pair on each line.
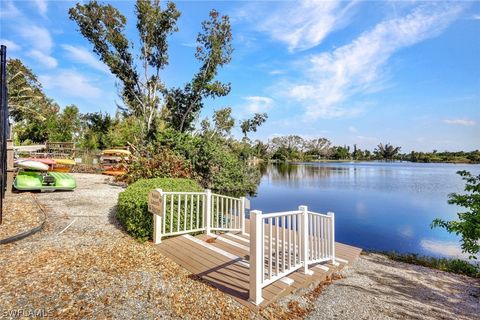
46, 181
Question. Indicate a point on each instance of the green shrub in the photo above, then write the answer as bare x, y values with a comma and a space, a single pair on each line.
132, 209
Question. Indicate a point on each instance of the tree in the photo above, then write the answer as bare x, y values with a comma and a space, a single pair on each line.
223, 121
468, 224
386, 151
96, 127
341, 153
214, 50
104, 27
25, 94
251, 125
317, 146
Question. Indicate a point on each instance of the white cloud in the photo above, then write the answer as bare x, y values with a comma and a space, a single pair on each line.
305, 24
257, 104
11, 46
460, 122
276, 72
71, 83
43, 58
8, 10
476, 17
38, 37
359, 67
42, 7
352, 129
82, 55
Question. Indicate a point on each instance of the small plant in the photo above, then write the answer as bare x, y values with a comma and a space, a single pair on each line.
468, 224
132, 209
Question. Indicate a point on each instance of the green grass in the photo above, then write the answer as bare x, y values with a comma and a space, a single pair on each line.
449, 265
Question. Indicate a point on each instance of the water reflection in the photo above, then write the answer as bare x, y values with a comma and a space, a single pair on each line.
443, 248
381, 206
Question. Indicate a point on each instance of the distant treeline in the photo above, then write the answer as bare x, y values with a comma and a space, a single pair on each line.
296, 148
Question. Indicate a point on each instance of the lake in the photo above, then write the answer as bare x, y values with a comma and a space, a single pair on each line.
377, 205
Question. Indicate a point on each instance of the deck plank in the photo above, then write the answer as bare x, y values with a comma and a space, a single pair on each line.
231, 276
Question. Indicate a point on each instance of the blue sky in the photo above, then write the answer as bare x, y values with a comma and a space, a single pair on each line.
359, 72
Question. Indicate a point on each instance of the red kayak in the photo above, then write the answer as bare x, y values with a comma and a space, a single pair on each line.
46, 161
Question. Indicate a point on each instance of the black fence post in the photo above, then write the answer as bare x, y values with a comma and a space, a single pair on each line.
4, 126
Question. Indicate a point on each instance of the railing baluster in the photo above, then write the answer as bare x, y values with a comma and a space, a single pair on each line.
295, 240
164, 213
191, 211
289, 248
185, 213
270, 240
332, 235
218, 212
327, 234
276, 246
221, 212
198, 204
171, 214
319, 218
283, 243
229, 212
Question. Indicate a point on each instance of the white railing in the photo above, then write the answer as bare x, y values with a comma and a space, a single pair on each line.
176, 213
227, 213
283, 242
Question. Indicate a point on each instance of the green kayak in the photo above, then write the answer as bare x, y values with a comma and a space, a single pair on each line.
48, 181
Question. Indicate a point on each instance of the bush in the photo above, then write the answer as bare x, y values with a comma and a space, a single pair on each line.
132, 209
215, 162
156, 162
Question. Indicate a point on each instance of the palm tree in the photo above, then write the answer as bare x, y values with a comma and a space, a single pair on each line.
387, 151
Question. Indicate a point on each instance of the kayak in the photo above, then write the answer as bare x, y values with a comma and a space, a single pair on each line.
31, 165
116, 152
29, 180
50, 162
69, 162
114, 172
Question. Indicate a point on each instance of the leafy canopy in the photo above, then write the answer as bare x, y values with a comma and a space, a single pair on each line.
144, 94
468, 223
214, 50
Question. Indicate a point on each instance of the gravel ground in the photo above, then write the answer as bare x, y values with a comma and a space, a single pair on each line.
82, 265
20, 214
379, 288
92, 269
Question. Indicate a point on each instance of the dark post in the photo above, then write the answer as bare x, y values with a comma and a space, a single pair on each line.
4, 129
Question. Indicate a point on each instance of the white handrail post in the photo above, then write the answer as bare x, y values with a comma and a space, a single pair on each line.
305, 239
242, 214
332, 217
155, 206
256, 258
208, 210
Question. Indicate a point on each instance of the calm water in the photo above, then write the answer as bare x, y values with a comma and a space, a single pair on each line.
381, 206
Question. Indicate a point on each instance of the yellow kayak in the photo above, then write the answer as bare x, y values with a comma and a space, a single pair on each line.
116, 151
68, 162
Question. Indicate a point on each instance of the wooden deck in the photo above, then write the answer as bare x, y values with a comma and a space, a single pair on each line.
222, 261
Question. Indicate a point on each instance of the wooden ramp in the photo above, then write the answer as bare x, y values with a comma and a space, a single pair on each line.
222, 260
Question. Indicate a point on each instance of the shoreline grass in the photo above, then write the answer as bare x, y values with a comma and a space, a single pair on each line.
451, 265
